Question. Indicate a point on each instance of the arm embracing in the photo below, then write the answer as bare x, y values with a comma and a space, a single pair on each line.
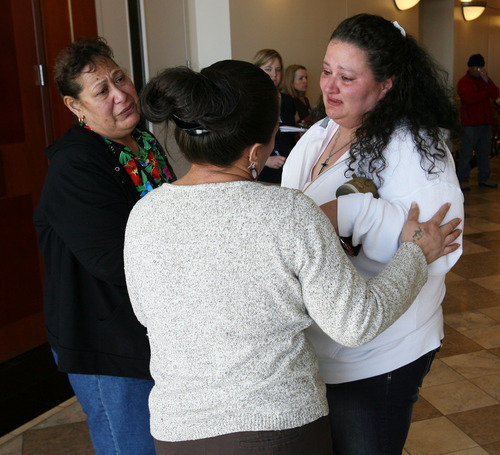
377, 223
349, 309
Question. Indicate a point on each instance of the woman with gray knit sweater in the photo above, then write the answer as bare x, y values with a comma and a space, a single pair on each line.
226, 304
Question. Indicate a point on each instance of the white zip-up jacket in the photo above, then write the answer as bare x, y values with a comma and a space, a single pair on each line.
377, 224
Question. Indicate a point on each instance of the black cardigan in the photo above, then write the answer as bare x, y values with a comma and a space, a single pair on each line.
81, 218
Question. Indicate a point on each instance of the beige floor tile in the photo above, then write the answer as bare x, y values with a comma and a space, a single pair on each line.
469, 320
493, 449
482, 424
452, 278
441, 374
473, 451
481, 225
493, 312
455, 343
488, 337
67, 439
488, 240
482, 209
436, 437
492, 236
473, 248
457, 397
68, 402
12, 446
473, 294
471, 230
474, 364
490, 384
423, 410
489, 282
452, 305
67, 414
495, 351
470, 266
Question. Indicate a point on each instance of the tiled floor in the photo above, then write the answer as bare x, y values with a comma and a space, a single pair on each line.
459, 407
458, 411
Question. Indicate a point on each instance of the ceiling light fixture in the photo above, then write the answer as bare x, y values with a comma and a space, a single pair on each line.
472, 10
402, 5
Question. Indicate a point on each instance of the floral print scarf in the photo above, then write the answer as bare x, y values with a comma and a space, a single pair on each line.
149, 169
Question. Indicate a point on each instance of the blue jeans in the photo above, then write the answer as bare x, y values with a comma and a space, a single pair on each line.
117, 413
373, 416
476, 138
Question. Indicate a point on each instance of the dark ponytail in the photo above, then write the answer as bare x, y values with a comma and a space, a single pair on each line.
218, 112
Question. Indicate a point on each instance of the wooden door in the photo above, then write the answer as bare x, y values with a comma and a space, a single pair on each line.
32, 32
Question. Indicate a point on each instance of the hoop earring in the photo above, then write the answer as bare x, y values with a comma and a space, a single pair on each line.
254, 171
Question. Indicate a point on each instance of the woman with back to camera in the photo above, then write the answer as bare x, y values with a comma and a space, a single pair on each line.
270, 61
227, 303
295, 85
389, 111
98, 170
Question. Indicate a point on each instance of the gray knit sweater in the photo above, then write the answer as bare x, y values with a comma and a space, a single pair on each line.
226, 277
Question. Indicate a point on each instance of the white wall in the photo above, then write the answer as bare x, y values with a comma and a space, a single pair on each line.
437, 32
209, 32
300, 30
166, 34
205, 31
112, 24
481, 36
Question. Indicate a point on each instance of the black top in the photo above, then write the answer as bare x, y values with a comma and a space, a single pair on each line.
284, 142
81, 218
303, 107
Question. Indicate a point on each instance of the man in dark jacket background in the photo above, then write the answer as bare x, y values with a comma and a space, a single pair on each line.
476, 91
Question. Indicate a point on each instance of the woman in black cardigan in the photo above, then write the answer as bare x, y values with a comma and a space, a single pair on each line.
98, 170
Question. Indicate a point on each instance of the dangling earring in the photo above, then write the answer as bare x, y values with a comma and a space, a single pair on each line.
254, 171
81, 120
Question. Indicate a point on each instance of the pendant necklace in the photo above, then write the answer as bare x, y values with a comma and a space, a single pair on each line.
324, 164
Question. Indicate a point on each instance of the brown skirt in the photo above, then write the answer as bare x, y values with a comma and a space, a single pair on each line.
311, 438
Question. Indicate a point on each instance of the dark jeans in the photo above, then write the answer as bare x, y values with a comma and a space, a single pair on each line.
476, 138
313, 438
372, 416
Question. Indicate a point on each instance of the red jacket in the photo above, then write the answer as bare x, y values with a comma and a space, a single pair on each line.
476, 96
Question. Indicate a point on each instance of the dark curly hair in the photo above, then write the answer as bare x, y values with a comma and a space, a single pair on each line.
72, 60
419, 99
218, 112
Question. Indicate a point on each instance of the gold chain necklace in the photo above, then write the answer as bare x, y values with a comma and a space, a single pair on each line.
324, 164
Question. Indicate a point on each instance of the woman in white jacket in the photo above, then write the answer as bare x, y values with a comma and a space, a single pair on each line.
388, 112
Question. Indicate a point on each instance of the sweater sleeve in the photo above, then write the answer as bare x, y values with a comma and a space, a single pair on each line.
377, 223
349, 309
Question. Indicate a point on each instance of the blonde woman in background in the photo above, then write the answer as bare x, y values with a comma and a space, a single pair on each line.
295, 85
270, 61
